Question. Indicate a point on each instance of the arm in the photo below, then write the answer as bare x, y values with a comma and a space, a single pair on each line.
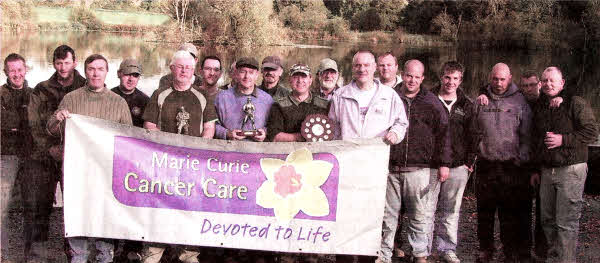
334, 117
220, 130
53, 126
525, 134
400, 121
586, 129
150, 126
37, 121
208, 129
151, 113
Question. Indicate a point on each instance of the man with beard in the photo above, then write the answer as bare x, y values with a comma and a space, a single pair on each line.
272, 70
166, 80
129, 74
504, 126
328, 76
387, 66
93, 100
44, 168
16, 135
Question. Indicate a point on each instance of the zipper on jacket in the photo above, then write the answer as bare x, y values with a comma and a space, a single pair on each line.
409, 102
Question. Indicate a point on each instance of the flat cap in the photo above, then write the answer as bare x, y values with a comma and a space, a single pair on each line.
326, 64
247, 62
130, 66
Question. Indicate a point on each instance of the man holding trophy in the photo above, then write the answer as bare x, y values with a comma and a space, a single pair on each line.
243, 110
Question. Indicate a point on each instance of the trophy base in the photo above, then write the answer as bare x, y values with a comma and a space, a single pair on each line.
248, 133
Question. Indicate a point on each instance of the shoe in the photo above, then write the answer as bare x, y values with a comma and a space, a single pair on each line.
399, 253
420, 260
450, 257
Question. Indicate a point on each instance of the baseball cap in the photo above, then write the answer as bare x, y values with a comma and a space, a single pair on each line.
189, 47
273, 62
130, 66
247, 62
326, 64
299, 68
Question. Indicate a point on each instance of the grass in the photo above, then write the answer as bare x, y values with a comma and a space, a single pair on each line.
58, 15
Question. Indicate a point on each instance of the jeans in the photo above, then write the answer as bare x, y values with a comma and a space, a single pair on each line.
416, 188
504, 186
561, 191
80, 249
449, 199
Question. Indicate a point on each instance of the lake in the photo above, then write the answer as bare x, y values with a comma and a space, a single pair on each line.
581, 71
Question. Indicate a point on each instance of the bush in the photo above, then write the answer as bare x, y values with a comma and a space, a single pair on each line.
445, 26
16, 14
82, 15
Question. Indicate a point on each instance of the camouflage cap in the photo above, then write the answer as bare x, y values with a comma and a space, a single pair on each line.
273, 62
130, 66
189, 47
300, 68
326, 64
247, 62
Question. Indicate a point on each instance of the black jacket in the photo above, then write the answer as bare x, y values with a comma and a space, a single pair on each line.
427, 140
574, 120
463, 143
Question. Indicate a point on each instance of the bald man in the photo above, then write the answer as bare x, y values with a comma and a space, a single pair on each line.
417, 165
503, 127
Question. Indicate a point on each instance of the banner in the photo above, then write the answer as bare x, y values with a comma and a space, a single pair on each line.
124, 182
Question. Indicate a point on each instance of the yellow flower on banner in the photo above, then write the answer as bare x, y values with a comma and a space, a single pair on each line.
293, 185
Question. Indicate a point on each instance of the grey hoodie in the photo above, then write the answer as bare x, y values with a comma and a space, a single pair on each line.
504, 126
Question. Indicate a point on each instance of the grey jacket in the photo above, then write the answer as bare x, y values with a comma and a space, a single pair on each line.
504, 127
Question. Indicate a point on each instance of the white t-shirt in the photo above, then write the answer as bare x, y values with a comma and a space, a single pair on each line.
364, 98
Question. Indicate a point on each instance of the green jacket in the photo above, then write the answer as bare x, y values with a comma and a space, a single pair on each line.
574, 120
44, 100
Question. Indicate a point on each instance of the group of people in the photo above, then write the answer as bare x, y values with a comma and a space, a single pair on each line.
520, 141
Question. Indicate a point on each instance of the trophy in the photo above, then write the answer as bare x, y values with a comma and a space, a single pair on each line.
248, 110
183, 118
317, 128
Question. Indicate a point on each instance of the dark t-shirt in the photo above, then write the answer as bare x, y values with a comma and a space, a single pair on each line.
287, 114
137, 103
200, 108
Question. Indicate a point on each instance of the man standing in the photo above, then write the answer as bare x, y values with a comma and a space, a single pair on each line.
328, 75
287, 114
504, 126
387, 66
561, 137
93, 100
167, 108
230, 103
211, 73
272, 70
449, 195
166, 80
417, 165
129, 74
44, 168
16, 135
365, 108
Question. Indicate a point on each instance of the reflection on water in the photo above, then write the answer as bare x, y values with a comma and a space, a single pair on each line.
582, 72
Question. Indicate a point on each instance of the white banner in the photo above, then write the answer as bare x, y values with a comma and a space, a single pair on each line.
124, 182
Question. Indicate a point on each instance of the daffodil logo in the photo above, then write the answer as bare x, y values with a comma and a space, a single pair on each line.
293, 185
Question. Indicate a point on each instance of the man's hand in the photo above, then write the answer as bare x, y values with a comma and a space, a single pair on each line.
62, 115
482, 100
262, 134
443, 173
534, 180
555, 103
233, 135
390, 138
56, 151
553, 140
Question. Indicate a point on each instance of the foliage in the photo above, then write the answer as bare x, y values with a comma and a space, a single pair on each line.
15, 14
313, 16
85, 17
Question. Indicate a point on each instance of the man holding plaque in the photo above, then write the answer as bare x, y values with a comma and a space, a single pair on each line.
243, 109
288, 113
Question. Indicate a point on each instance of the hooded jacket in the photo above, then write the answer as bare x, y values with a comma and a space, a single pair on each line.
574, 120
504, 126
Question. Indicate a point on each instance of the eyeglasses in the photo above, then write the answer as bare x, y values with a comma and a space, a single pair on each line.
184, 68
212, 69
